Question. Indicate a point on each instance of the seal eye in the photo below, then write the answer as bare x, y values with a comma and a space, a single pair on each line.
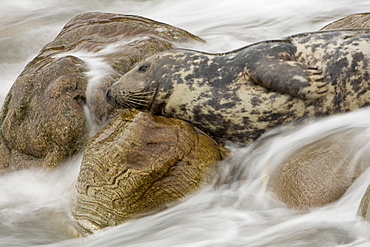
143, 68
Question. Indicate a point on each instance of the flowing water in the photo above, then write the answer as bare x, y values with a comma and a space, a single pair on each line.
236, 212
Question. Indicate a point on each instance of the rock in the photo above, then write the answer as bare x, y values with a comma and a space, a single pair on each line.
320, 172
139, 164
353, 21
363, 209
133, 38
43, 120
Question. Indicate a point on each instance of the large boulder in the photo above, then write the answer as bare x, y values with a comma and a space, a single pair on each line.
320, 172
43, 120
139, 164
361, 20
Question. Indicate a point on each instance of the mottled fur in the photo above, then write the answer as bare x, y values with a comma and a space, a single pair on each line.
241, 94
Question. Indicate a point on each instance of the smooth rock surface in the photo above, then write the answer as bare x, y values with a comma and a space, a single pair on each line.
320, 172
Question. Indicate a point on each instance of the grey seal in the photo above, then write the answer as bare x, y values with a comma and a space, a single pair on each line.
241, 94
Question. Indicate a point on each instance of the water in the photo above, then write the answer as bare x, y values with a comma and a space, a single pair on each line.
236, 212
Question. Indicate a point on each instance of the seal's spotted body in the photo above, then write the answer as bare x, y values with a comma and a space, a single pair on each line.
241, 94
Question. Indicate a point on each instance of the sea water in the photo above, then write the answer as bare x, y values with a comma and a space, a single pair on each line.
238, 210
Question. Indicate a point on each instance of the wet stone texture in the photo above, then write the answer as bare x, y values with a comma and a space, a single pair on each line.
361, 20
139, 164
43, 120
364, 209
322, 171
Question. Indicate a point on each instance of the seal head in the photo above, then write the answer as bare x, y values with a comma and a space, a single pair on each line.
139, 87
129, 95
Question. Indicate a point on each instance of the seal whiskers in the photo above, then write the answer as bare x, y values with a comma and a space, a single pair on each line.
134, 99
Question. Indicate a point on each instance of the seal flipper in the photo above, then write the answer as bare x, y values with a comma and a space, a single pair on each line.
274, 66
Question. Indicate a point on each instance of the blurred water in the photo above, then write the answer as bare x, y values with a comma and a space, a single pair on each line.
34, 203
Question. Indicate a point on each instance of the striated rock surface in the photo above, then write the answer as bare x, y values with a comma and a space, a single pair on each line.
139, 164
320, 172
43, 120
361, 20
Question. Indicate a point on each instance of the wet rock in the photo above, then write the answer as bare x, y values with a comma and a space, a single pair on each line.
364, 209
43, 120
361, 20
320, 172
139, 164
